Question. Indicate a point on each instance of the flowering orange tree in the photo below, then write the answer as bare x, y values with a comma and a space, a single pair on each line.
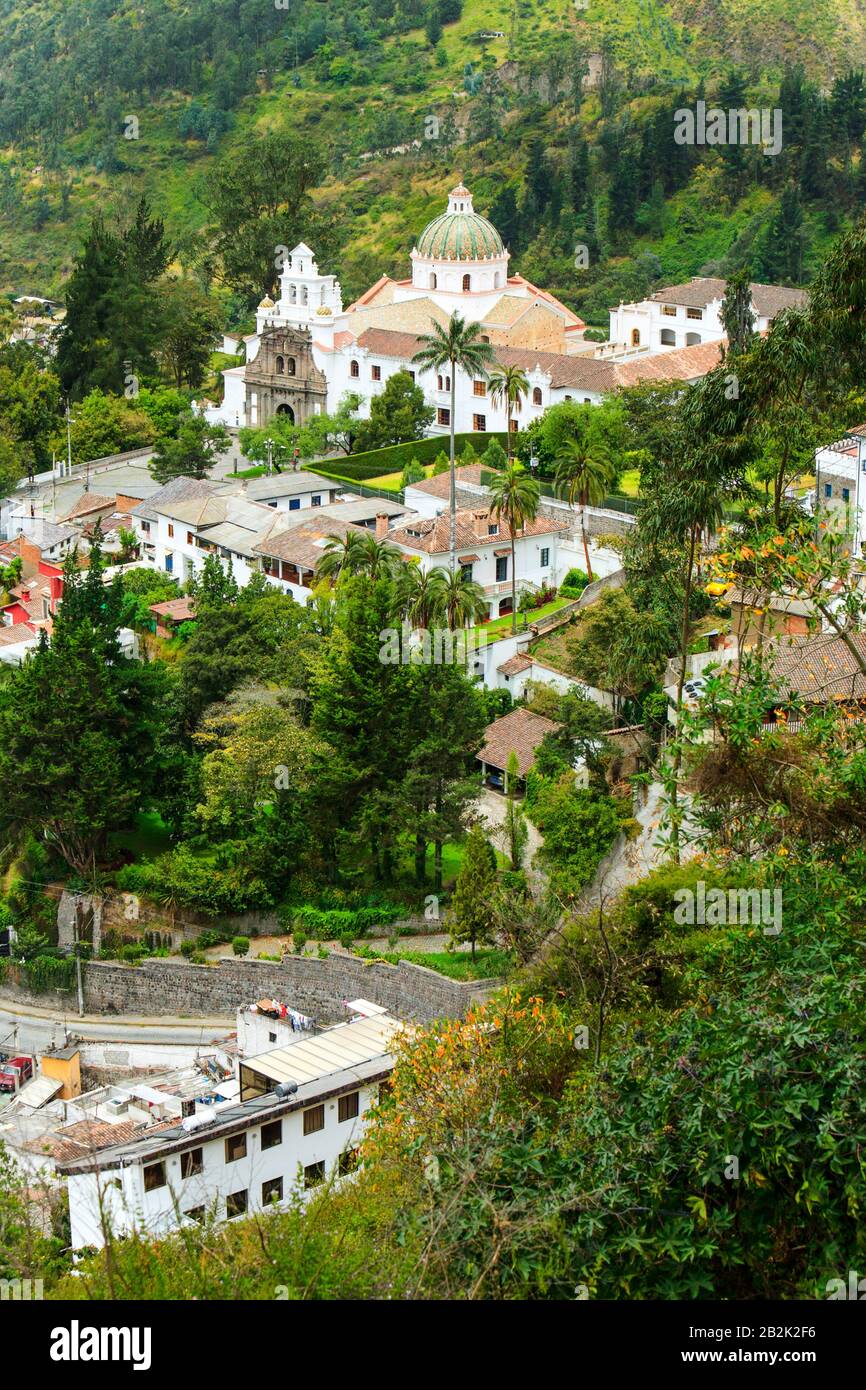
471, 1113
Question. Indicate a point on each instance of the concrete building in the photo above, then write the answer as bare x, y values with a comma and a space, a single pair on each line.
301, 1114
688, 315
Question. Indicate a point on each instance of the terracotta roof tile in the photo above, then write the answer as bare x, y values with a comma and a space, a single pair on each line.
519, 732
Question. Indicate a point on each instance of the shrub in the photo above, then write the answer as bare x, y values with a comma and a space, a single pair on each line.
299, 940
344, 924
240, 945
573, 584
187, 948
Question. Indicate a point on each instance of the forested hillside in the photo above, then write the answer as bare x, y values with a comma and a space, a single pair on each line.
561, 121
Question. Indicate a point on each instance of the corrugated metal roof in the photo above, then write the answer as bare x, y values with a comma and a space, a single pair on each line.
347, 1045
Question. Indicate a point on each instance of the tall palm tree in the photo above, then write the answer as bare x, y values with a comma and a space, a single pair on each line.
378, 559
584, 470
463, 601
340, 555
458, 345
507, 386
420, 595
514, 496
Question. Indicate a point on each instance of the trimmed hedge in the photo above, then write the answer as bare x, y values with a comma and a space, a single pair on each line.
327, 924
359, 468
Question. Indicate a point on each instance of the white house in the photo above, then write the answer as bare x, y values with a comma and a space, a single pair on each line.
301, 1115
840, 484
484, 551
690, 314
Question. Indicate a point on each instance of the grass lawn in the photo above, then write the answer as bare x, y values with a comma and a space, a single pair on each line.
629, 483
393, 482
457, 965
501, 627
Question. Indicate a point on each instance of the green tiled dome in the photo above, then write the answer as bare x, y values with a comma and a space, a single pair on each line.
460, 236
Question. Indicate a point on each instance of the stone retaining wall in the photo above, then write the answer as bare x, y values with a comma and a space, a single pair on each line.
316, 987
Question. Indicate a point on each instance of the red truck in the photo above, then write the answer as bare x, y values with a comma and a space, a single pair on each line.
13, 1074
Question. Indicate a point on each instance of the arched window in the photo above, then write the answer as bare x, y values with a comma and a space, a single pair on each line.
536, 395
467, 283
668, 337
281, 366
304, 296
354, 369
447, 383
635, 337
439, 386
433, 281
692, 339
290, 367
293, 294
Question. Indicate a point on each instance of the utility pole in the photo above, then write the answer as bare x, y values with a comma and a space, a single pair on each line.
54, 484
269, 445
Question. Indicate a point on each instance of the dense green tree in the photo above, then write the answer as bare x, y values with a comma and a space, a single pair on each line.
259, 198
397, 415
192, 452
471, 916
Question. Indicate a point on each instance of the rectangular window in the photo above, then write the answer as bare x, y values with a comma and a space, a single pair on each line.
443, 415
670, 310
294, 504
191, 1162
412, 375
347, 1107
190, 540
512, 426
479, 422
154, 1176
479, 388
195, 1213
315, 501
272, 1134
236, 1204
272, 1191
376, 372
314, 1173
236, 1147
466, 571
545, 558
828, 489
347, 1162
694, 313
493, 528
170, 529
314, 1119
169, 564
501, 569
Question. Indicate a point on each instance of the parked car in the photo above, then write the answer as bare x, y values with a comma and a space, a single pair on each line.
14, 1073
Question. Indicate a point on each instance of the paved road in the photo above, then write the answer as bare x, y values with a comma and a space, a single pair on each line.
32, 1029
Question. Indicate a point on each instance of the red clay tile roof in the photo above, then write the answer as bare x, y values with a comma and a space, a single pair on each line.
515, 664
820, 669
85, 1137
14, 633
431, 535
180, 610
519, 732
88, 502
701, 290
440, 485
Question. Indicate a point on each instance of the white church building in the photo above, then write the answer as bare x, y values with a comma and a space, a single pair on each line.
459, 265
308, 350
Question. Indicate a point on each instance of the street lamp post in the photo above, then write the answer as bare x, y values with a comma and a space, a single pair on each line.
269, 445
